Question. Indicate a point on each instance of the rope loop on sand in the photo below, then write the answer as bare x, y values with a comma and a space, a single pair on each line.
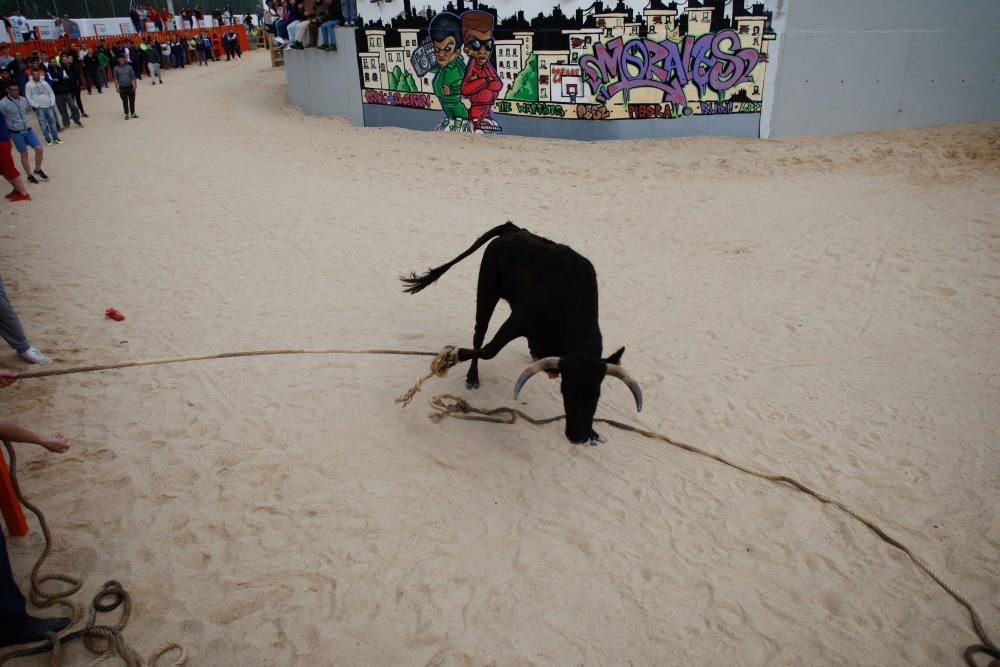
447, 405
103, 640
444, 405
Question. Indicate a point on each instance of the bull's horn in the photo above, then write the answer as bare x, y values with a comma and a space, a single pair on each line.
619, 372
546, 364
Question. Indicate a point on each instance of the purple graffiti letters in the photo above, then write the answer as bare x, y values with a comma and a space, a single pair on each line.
712, 61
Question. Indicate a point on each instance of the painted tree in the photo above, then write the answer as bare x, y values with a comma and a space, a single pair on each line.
525, 86
394, 77
408, 83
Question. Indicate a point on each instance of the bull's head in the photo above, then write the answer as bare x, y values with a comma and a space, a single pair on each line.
581, 378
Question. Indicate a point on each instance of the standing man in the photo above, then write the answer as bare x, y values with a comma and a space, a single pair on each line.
165, 54
19, 24
15, 111
125, 83
7, 168
62, 86
72, 64
154, 58
43, 101
5, 58
90, 64
481, 84
103, 62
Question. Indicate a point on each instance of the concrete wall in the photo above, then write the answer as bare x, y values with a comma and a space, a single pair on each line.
733, 125
852, 65
326, 83
837, 66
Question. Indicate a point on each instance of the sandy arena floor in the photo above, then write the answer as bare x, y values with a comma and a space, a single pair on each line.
827, 308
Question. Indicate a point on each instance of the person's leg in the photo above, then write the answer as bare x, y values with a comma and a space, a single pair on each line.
25, 164
12, 603
79, 102
131, 100
123, 93
74, 110
43, 122
12, 332
63, 111
39, 154
9, 171
48, 114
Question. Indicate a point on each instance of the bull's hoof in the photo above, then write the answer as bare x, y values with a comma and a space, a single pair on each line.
472, 384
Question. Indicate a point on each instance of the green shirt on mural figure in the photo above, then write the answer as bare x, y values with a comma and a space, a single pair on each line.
450, 75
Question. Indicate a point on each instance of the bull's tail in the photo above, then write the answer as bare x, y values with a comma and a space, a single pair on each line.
415, 283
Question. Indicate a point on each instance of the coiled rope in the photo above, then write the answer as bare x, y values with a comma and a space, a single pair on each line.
93, 635
447, 405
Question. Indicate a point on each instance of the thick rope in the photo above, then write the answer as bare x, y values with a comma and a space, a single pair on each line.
446, 405
206, 357
445, 359
114, 641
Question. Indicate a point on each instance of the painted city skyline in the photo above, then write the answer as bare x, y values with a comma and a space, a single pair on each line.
598, 63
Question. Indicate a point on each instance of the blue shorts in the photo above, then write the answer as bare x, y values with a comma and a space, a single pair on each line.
22, 140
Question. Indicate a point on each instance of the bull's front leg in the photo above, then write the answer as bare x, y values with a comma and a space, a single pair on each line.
508, 331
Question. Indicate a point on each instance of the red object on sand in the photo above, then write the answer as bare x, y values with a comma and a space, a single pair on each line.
10, 507
114, 314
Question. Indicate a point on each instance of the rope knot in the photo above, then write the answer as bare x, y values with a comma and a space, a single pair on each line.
445, 359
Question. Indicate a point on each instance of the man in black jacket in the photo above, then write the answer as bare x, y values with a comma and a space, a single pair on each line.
90, 65
72, 62
62, 86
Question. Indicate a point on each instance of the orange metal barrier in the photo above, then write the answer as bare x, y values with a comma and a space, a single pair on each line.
54, 46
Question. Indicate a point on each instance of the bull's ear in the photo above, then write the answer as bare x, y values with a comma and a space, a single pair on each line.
616, 358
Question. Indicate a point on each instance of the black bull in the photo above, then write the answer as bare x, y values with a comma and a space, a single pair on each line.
552, 292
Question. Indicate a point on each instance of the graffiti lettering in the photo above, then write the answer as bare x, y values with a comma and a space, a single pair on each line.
414, 100
592, 112
541, 109
713, 108
559, 72
652, 111
730, 106
713, 61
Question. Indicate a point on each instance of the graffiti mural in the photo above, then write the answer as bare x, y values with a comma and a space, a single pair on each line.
658, 61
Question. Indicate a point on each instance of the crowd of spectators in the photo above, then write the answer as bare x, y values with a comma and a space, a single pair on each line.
52, 88
301, 24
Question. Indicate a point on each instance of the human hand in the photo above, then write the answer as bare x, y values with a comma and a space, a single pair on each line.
55, 443
7, 378
446, 89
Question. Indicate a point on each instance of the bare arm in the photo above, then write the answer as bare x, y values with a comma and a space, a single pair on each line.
11, 432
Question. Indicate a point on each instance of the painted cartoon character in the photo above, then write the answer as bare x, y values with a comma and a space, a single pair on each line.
446, 35
481, 84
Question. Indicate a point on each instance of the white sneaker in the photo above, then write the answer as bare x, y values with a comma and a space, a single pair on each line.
34, 356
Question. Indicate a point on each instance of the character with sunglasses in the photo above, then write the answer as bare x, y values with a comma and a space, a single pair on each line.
449, 70
481, 84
